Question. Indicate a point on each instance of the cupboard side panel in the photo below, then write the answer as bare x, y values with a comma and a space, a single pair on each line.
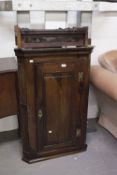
85, 68
22, 105
30, 100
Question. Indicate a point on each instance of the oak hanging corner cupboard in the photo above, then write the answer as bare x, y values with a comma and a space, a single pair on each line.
53, 75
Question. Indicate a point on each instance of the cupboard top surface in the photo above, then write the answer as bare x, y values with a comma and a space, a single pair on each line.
53, 51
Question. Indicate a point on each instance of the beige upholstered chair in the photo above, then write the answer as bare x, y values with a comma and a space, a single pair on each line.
104, 79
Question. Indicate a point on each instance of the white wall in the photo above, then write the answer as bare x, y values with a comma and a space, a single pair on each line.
104, 32
7, 40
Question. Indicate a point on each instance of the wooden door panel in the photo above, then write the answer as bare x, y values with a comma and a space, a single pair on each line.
58, 90
60, 102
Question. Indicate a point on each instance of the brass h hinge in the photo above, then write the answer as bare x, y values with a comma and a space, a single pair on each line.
78, 132
40, 114
80, 76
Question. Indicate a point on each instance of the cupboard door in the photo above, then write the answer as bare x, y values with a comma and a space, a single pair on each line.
58, 103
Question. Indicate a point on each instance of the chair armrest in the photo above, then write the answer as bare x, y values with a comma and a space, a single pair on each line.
104, 80
108, 60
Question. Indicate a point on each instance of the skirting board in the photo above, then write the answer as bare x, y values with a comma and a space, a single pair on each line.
9, 135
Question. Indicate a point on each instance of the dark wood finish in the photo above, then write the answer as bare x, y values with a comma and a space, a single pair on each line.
53, 87
8, 97
26, 38
7, 136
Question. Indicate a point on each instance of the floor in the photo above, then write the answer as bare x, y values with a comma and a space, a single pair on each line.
99, 159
